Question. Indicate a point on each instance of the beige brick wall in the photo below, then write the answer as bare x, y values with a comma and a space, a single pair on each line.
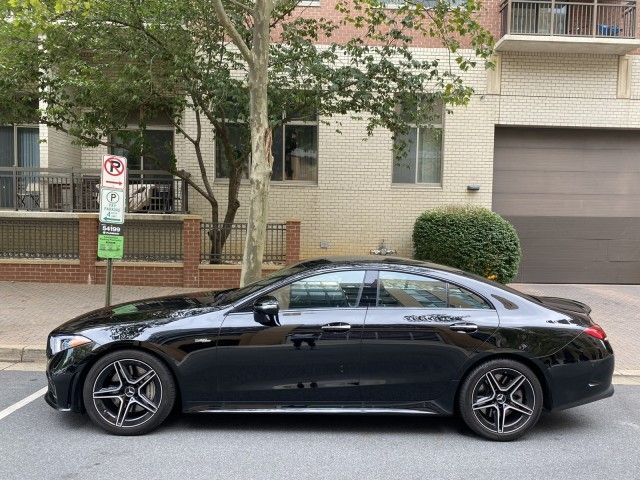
536, 93
354, 204
62, 153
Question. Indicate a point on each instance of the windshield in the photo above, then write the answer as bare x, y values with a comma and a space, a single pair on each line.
234, 295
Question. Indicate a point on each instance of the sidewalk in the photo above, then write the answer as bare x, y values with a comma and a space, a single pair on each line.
29, 311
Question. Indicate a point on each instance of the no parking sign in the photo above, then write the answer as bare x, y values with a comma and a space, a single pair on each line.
114, 172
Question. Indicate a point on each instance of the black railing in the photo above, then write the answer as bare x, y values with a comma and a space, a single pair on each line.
567, 18
39, 238
76, 190
153, 241
224, 242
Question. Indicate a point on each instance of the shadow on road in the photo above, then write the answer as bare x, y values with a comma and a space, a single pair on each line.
550, 423
564, 422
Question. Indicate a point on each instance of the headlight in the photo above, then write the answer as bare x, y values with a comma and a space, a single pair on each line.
58, 343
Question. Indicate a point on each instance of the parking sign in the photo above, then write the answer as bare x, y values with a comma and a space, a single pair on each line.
112, 205
114, 172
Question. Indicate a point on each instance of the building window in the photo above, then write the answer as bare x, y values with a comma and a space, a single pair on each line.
419, 153
294, 149
153, 150
240, 140
20, 146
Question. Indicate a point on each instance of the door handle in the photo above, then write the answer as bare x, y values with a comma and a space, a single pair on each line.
336, 327
463, 327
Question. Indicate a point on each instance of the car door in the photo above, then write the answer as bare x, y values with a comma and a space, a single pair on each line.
417, 335
309, 355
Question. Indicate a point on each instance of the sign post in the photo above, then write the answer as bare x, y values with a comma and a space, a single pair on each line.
113, 201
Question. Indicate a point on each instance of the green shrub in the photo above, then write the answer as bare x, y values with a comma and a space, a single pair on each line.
470, 238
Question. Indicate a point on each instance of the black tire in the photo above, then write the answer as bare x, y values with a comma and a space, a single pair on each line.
129, 392
493, 405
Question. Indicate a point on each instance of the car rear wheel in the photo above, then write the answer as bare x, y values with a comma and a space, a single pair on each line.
501, 400
129, 392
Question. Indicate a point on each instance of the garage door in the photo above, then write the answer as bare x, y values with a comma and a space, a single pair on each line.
574, 197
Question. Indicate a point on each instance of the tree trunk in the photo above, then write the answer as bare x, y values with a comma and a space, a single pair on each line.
262, 159
220, 233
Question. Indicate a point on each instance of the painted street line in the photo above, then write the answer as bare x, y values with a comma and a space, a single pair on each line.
25, 401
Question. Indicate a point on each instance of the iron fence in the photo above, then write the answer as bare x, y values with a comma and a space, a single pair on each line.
39, 239
77, 190
215, 248
565, 18
153, 241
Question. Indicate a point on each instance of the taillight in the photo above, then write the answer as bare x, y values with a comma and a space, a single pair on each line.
596, 331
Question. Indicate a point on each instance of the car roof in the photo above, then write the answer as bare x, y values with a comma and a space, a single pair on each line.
371, 261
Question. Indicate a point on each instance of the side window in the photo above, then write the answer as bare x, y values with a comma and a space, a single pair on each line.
397, 289
407, 290
462, 298
328, 290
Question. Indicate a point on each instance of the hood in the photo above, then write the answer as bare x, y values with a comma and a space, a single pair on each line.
152, 310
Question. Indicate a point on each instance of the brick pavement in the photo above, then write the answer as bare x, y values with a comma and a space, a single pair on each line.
29, 311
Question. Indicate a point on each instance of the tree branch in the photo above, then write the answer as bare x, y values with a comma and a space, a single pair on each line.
237, 39
186, 176
244, 6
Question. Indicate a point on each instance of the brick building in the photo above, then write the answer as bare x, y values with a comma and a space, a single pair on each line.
550, 140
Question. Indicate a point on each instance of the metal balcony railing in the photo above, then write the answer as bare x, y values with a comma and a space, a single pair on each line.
598, 19
76, 190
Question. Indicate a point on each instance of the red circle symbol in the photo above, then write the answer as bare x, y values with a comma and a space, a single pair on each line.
113, 166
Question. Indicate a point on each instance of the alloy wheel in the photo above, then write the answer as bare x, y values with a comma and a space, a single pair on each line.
503, 400
127, 393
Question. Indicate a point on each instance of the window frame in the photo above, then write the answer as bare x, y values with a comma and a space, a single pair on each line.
294, 123
218, 178
283, 181
15, 127
447, 283
153, 127
435, 126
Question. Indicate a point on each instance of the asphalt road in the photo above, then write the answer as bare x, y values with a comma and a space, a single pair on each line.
601, 440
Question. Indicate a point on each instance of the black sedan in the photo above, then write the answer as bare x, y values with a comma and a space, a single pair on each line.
358, 335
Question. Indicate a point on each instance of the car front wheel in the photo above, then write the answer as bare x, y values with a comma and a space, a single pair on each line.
129, 392
501, 399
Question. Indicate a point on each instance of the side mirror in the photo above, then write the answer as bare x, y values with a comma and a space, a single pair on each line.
265, 311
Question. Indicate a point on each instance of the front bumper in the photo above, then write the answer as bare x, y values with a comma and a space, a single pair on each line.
65, 372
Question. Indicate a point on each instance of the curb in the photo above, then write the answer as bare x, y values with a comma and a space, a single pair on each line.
23, 353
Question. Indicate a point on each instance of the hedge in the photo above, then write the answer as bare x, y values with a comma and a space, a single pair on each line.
471, 238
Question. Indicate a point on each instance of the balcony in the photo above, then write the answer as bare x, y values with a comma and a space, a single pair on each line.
77, 190
606, 27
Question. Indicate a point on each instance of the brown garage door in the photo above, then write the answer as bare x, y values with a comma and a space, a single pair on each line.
574, 197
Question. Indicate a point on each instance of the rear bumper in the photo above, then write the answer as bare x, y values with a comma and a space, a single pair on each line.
575, 384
